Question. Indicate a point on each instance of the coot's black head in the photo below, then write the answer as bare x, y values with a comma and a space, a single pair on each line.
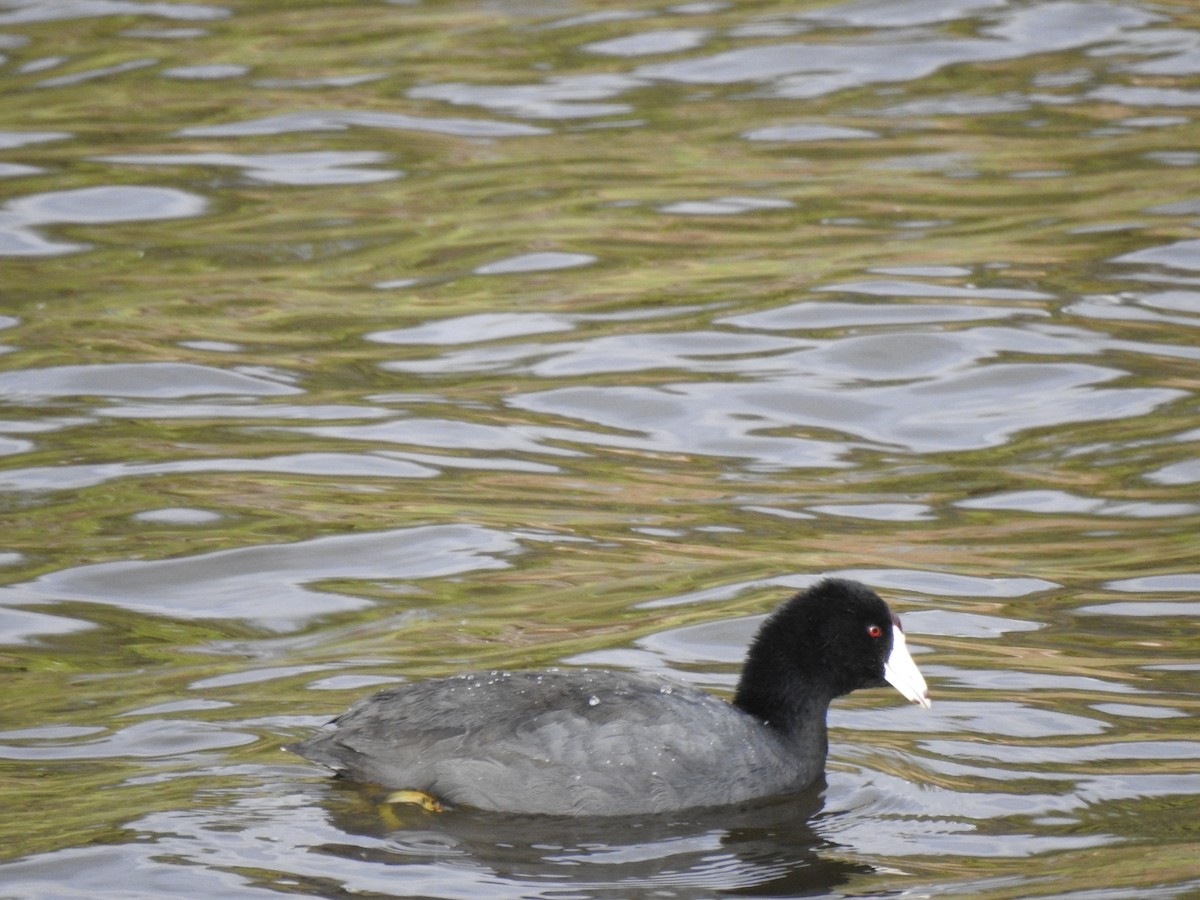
826, 641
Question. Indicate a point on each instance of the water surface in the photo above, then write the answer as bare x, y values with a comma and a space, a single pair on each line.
345, 344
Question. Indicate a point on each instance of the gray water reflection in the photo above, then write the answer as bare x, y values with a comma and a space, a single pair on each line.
143, 379
339, 120
959, 411
94, 205
269, 585
811, 69
357, 465
1179, 255
805, 69
945, 398
143, 739
26, 11
1060, 502
308, 168
535, 262
13, 139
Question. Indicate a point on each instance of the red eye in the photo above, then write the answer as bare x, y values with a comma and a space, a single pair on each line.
874, 631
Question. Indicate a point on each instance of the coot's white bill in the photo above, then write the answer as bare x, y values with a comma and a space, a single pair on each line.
902, 673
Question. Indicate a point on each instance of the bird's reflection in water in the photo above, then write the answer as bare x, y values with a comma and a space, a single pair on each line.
764, 849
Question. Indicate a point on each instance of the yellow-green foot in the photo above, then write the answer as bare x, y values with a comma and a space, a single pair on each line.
419, 798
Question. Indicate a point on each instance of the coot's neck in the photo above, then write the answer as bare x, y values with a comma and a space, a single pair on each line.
775, 689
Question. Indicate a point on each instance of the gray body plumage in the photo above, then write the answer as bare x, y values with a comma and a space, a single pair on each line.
565, 741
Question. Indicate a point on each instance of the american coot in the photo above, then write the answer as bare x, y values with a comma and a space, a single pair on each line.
591, 742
